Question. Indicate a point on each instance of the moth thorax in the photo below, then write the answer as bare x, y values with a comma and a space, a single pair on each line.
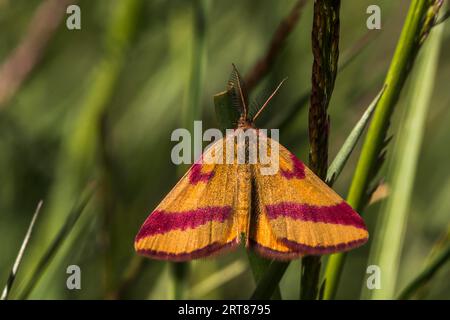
247, 145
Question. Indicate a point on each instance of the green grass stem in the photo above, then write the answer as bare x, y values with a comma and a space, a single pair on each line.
414, 29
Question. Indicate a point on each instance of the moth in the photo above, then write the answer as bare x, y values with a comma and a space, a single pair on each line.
217, 204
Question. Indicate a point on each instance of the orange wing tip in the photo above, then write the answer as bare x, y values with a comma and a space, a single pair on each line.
208, 251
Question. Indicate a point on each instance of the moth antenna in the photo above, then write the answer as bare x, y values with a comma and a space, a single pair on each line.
268, 99
240, 90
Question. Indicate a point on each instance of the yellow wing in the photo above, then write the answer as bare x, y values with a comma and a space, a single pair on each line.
297, 214
203, 213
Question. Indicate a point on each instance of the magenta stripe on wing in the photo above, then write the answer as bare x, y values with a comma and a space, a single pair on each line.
298, 169
161, 221
210, 249
341, 213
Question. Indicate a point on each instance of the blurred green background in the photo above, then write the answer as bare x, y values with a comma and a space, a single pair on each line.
102, 102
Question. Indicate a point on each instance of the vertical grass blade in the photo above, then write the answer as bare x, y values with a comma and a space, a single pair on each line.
344, 153
56, 244
283, 119
193, 109
388, 239
268, 282
78, 155
218, 278
418, 22
192, 112
325, 46
15, 268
